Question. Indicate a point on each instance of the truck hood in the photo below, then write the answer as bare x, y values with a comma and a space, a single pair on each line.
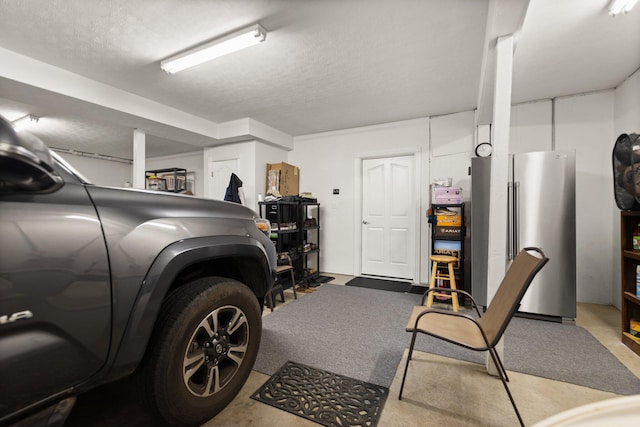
138, 224
147, 204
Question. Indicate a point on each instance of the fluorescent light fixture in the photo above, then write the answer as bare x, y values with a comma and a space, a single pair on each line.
25, 122
215, 49
621, 6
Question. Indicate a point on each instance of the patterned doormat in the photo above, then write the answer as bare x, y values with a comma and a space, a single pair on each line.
324, 397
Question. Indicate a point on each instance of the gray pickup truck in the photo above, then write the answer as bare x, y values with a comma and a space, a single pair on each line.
99, 283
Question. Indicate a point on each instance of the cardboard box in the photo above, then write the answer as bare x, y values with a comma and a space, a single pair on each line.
455, 245
449, 231
449, 220
449, 252
449, 224
283, 178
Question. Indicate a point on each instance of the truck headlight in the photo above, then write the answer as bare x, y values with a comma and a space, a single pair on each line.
263, 225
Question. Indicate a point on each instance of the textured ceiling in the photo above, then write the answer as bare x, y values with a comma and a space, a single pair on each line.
325, 65
573, 46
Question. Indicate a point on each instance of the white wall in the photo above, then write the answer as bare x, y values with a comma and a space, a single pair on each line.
452, 143
245, 154
585, 123
626, 112
100, 172
452, 133
582, 122
328, 161
627, 105
531, 127
252, 157
192, 162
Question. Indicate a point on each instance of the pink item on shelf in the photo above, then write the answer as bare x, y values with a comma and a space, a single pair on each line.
447, 191
448, 200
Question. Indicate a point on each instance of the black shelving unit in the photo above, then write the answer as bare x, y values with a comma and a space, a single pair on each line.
310, 230
295, 231
448, 238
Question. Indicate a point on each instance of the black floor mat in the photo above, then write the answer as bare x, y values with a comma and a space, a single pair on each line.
380, 284
415, 289
323, 397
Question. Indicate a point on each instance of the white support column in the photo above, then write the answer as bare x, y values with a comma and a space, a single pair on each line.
497, 259
139, 157
483, 133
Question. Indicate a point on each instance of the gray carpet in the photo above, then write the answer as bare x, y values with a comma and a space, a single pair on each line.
359, 333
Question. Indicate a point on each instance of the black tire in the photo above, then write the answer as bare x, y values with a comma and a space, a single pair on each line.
187, 347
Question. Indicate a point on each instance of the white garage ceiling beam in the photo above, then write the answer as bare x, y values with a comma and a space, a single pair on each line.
139, 159
504, 17
149, 115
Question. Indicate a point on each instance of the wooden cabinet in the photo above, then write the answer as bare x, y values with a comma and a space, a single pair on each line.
630, 259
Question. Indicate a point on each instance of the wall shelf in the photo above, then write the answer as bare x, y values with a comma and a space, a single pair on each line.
173, 180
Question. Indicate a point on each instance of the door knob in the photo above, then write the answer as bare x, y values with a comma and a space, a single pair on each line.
365, 222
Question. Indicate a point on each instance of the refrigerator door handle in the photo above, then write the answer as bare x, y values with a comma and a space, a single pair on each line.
516, 217
509, 221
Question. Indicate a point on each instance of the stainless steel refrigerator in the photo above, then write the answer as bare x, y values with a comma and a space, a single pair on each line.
541, 212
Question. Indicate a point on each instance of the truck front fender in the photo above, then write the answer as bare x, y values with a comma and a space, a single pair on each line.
163, 273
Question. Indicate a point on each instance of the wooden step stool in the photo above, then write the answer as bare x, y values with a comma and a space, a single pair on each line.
438, 275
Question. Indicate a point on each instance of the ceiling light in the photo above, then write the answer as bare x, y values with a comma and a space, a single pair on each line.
25, 122
621, 6
215, 49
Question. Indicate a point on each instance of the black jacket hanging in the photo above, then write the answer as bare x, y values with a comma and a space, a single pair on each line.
232, 193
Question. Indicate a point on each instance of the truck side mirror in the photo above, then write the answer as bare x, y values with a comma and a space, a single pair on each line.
26, 164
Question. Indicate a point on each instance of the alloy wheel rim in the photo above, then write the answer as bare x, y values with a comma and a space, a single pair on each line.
215, 351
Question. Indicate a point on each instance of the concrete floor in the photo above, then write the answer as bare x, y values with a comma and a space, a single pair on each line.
439, 391
447, 392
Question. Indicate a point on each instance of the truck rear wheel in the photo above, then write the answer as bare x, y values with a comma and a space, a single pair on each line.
203, 349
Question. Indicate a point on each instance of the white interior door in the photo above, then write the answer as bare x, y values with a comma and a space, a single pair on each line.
388, 245
219, 174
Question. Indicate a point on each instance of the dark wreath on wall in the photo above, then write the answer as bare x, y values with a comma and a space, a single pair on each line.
626, 171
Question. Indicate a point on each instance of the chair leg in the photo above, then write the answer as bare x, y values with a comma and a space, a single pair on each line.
270, 302
406, 366
293, 284
497, 362
500, 368
452, 285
